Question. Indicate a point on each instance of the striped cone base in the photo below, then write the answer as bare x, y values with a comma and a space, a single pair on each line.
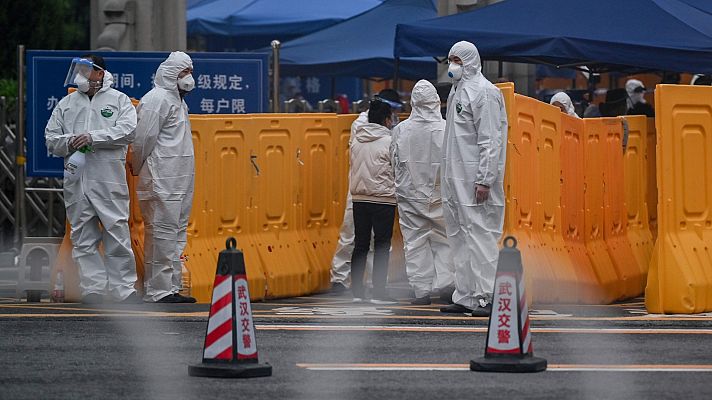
230, 349
509, 339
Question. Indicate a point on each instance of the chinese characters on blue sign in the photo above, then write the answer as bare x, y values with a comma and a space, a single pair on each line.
226, 83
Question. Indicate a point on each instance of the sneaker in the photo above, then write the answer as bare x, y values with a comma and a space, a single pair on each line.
383, 300
421, 301
357, 300
132, 299
93, 298
184, 299
338, 288
455, 309
169, 299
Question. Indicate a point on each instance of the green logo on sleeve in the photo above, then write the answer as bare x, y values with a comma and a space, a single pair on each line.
106, 112
458, 108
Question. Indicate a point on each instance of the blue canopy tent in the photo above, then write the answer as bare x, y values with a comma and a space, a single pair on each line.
252, 24
668, 35
361, 46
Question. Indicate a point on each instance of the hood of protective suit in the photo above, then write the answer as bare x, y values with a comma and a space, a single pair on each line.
564, 99
470, 56
167, 73
370, 132
108, 81
425, 102
633, 96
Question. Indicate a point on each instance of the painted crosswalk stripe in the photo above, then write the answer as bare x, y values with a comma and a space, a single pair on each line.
478, 329
551, 367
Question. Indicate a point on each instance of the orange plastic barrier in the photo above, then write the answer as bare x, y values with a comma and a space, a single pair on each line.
604, 169
635, 171
341, 177
572, 209
317, 198
680, 275
631, 275
548, 209
221, 201
523, 190
652, 186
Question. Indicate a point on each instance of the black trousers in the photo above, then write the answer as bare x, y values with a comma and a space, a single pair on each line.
376, 218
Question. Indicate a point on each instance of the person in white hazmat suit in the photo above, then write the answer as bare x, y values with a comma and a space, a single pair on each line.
472, 179
91, 128
341, 263
416, 153
563, 101
163, 158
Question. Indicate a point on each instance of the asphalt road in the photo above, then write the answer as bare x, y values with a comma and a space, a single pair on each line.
321, 347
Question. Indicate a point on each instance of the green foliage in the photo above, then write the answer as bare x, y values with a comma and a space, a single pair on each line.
42, 25
8, 89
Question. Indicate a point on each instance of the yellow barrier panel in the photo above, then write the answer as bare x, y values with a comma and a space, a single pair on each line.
227, 175
548, 210
594, 158
341, 177
201, 261
572, 208
680, 276
631, 276
522, 183
507, 90
652, 186
317, 195
635, 171
274, 224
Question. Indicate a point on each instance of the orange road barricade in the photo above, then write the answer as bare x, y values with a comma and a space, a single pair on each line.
573, 224
680, 275
635, 174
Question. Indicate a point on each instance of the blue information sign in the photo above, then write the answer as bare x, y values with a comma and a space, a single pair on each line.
225, 83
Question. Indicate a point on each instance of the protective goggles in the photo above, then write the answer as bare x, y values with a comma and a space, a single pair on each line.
79, 66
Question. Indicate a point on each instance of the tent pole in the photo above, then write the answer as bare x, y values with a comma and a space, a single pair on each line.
275, 75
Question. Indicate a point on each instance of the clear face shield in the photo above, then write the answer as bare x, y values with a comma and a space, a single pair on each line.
79, 71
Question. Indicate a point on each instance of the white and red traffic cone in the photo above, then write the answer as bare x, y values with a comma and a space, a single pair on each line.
509, 338
230, 349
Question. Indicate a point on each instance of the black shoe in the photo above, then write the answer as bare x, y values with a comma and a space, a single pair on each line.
93, 298
455, 309
446, 294
338, 288
132, 299
482, 311
184, 299
421, 301
171, 298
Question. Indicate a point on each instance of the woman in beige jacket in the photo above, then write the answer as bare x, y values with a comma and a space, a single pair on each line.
374, 200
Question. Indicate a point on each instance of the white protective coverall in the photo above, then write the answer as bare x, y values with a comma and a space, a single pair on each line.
634, 97
565, 100
164, 159
416, 153
99, 193
473, 153
341, 263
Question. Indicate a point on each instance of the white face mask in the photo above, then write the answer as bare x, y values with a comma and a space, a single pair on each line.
186, 83
454, 71
82, 83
